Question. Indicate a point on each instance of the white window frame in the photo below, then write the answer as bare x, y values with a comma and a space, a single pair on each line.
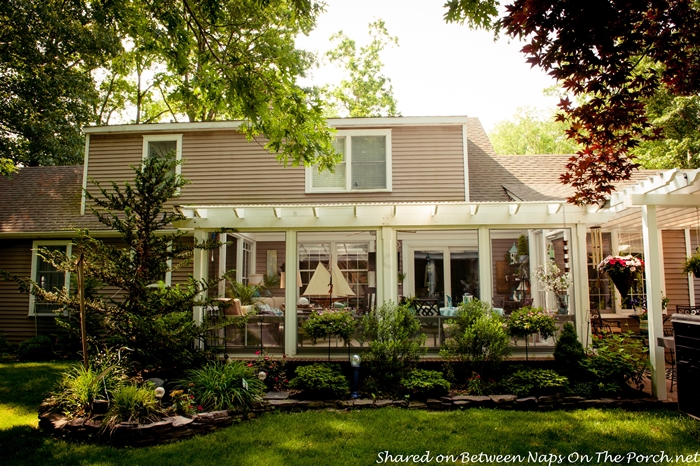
35, 264
164, 137
349, 134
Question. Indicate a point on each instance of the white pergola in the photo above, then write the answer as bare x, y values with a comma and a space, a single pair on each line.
667, 201
387, 219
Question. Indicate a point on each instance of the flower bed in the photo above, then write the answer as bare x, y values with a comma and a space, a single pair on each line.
178, 427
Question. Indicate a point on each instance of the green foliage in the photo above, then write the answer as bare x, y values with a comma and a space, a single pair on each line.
38, 348
530, 132
528, 320
156, 322
692, 264
395, 344
322, 380
275, 370
678, 117
131, 403
477, 386
246, 293
365, 92
327, 324
477, 336
568, 351
79, 388
616, 361
5, 346
424, 383
50, 49
534, 382
232, 386
183, 403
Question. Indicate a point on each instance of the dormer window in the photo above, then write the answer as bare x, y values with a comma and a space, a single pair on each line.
366, 164
161, 145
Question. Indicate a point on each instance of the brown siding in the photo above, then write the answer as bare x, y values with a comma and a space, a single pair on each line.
696, 281
15, 323
224, 168
676, 286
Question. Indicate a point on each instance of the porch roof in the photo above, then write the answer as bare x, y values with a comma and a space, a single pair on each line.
411, 214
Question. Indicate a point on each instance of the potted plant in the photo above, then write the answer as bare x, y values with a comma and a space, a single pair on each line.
552, 279
692, 264
623, 271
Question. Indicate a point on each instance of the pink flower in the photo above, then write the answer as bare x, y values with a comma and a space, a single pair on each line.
250, 364
257, 352
199, 408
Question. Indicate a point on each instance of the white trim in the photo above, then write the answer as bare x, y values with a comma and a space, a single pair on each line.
465, 151
83, 199
691, 280
35, 258
147, 138
236, 125
348, 135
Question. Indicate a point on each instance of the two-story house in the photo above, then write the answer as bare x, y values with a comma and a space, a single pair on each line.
419, 207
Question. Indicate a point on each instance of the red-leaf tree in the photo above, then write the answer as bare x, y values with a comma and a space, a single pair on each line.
611, 55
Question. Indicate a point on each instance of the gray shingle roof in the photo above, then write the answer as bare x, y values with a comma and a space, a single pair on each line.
528, 177
43, 199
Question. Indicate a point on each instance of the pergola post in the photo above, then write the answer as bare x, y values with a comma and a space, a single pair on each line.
291, 292
579, 269
485, 267
200, 272
652, 256
387, 266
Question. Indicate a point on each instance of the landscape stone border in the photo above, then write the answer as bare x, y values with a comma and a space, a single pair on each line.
178, 427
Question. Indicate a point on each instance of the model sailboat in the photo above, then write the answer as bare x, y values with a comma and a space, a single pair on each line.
328, 285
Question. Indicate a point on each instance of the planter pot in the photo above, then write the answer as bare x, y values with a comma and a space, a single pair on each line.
562, 303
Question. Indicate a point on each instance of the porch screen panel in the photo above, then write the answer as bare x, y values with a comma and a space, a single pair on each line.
464, 272
353, 260
368, 162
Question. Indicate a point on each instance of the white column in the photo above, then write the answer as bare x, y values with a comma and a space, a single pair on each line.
691, 283
578, 258
485, 266
387, 266
200, 271
652, 251
291, 292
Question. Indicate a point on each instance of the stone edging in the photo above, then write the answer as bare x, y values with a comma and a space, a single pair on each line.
178, 427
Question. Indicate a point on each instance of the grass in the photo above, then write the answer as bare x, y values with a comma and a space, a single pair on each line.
350, 438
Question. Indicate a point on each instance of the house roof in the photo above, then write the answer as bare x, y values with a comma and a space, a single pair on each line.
529, 178
43, 199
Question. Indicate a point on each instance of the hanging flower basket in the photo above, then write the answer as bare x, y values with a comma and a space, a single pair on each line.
622, 270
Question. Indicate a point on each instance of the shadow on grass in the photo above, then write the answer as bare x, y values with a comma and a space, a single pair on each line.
24, 385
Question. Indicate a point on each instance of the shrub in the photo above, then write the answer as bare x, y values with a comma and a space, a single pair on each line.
477, 386
275, 371
423, 383
395, 342
230, 386
477, 336
79, 388
568, 351
5, 346
534, 382
528, 320
131, 403
321, 380
327, 324
183, 403
616, 360
38, 348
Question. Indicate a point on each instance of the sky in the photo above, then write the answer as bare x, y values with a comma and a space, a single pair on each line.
438, 69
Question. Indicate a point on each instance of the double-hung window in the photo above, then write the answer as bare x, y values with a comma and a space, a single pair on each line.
46, 276
163, 145
365, 164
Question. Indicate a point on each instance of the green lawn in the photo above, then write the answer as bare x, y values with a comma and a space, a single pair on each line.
355, 438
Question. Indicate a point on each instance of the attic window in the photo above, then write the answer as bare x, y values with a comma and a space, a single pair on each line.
366, 164
162, 145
